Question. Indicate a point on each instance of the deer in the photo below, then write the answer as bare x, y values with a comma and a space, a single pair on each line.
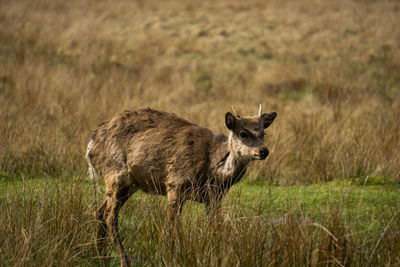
160, 153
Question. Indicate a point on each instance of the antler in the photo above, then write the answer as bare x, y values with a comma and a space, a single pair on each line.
234, 110
260, 111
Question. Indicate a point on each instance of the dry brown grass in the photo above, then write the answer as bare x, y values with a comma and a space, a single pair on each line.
330, 70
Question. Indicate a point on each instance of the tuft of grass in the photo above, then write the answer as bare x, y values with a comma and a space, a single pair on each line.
45, 222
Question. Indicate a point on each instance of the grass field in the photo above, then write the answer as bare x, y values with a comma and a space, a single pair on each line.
351, 223
328, 194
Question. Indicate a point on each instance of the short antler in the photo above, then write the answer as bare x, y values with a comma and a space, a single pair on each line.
260, 111
234, 110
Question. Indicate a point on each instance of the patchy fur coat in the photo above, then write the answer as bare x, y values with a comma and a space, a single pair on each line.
156, 148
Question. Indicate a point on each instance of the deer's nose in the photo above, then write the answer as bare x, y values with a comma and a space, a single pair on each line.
263, 152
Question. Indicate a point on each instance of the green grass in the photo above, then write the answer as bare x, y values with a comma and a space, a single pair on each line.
362, 206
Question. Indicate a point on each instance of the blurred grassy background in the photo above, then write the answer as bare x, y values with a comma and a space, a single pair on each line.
331, 69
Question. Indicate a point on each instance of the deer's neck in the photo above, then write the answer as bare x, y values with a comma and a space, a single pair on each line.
232, 170
229, 168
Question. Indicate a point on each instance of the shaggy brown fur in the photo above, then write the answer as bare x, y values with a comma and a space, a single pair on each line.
161, 153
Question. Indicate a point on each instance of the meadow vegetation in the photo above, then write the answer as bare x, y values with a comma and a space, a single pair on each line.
330, 69
50, 222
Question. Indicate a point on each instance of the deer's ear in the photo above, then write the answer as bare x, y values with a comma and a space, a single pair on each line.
267, 118
230, 121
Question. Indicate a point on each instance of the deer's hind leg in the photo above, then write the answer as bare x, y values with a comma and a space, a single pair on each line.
101, 228
118, 190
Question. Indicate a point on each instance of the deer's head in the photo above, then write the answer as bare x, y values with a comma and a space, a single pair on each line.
246, 138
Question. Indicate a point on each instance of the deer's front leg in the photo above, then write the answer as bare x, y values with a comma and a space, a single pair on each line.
175, 203
213, 205
213, 208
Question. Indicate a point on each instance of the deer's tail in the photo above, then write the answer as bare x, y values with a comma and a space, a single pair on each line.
94, 177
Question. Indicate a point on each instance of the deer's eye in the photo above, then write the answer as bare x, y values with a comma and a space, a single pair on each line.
243, 135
